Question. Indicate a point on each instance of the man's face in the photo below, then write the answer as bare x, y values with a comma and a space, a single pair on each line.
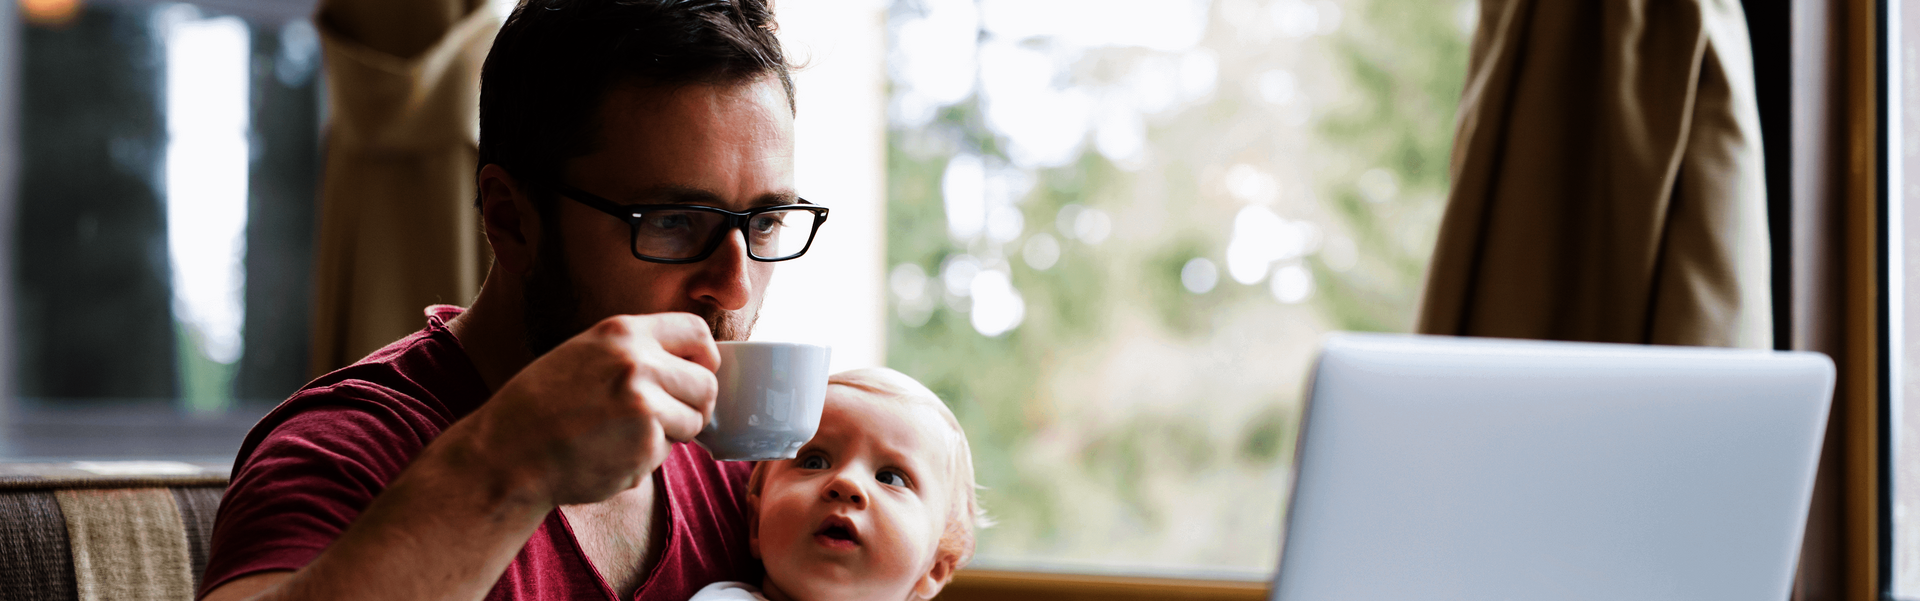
722, 146
859, 512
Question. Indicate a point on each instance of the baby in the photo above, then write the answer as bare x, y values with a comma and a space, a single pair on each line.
879, 506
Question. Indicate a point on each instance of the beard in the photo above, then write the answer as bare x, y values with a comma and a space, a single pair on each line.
729, 326
552, 314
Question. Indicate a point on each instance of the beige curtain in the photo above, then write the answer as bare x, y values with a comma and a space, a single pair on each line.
1607, 179
397, 227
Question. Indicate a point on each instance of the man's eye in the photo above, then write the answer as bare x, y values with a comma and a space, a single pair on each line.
891, 478
668, 222
765, 223
813, 462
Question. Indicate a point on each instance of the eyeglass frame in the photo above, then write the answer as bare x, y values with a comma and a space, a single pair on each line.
632, 213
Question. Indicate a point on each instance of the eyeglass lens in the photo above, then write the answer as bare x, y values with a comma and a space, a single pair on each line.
677, 234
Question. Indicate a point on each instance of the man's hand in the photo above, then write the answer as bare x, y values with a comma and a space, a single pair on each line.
598, 413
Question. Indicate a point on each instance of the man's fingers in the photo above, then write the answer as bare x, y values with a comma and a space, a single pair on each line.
678, 421
686, 336
692, 384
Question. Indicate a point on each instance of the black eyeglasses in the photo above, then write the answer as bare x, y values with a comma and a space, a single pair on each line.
673, 233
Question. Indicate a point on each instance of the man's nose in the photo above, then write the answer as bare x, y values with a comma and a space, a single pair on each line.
842, 489
723, 280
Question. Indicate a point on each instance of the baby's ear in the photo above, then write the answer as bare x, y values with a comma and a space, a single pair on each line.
753, 524
937, 577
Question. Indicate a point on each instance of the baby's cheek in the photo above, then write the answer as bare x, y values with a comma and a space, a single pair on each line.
779, 527
911, 547
779, 553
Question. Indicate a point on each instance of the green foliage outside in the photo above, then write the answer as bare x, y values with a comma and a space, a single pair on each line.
1128, 419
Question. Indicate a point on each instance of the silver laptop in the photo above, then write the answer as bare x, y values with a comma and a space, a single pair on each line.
1448, 468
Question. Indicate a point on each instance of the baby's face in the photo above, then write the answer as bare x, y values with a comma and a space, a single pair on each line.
859, 512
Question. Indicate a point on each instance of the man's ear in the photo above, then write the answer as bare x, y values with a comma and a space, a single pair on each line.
509, 219
937, 576
753, 524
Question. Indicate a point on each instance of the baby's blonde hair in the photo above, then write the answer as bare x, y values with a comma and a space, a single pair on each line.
966, 514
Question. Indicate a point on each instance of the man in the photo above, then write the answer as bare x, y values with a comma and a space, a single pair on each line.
532, 446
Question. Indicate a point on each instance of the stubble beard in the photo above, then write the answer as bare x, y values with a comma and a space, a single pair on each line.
729, 326
551, 306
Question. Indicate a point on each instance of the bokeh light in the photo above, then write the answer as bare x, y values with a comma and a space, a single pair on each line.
997, 307
1199, 276
964, 187
913, 302
1292, 284
933, 59
958, 274
49, 13
1041, 252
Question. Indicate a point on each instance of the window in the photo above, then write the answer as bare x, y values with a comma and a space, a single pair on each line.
1902, 362
1117, 231
161, 233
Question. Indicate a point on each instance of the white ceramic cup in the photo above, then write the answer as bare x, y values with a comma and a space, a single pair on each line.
770, 398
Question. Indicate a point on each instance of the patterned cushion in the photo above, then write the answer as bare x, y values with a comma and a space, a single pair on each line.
94, 531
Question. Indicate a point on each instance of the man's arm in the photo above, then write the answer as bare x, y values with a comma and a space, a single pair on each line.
593, 417
438, 532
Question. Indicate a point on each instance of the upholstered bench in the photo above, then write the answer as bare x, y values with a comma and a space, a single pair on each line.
123, 530
139, 530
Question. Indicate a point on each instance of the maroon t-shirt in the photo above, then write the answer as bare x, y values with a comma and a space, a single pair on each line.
313, 464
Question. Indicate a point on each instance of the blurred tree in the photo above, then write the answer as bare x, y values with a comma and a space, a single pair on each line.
1143, 409
1406, 65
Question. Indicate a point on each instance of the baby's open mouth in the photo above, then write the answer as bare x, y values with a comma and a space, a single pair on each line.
837, 531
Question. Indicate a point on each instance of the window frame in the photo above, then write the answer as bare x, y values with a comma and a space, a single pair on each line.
1883, 68
1821, 85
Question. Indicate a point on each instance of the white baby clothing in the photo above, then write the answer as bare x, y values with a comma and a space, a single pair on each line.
728, 591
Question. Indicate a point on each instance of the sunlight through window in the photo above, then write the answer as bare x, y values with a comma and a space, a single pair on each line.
206, 186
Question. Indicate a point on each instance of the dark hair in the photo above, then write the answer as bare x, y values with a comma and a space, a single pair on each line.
554, 59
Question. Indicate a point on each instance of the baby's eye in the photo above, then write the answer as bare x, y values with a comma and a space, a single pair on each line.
891, 478
813, 462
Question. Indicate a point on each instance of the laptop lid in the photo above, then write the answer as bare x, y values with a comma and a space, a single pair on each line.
1451, 468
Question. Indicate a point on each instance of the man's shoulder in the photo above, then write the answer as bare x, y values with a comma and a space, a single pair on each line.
308, 469
412, 389
364, 428
427, 366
